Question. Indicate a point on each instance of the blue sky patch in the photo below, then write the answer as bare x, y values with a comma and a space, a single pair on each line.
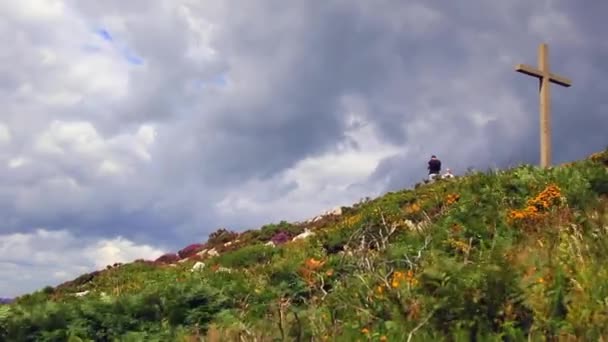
128, 55
104, 34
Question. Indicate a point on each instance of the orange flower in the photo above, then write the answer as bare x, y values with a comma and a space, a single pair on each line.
413, 208
329, 273
365, 331
314, 264
383, 338
452, 198
399, 277
535, 206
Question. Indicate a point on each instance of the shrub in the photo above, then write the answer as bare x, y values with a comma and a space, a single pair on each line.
221, 236
247, 256
190, 250
167, 258
280, 238
270, 230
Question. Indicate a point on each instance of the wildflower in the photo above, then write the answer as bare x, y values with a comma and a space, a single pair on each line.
536, 206
380, 289
383, 338
452, 198
365, 331
314, 264
397, 278
541, 280
329, 273
413, 208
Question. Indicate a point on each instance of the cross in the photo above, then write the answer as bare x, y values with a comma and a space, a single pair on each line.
545, 77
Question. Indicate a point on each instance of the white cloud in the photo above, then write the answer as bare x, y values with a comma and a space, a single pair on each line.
330, 179
5, 134
33, 9
30, 261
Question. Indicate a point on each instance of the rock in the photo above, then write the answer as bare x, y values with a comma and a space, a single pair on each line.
304, 235
224, 269
230, 243
199, 266
269, 243
336, 211
181, 261
81, 294
317, 218
213, 252
202, 253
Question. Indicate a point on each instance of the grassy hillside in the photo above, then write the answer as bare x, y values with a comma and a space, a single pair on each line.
511, 254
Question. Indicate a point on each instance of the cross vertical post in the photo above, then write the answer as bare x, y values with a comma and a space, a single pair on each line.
545, 77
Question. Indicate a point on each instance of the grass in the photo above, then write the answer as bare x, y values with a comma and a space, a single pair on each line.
516, 254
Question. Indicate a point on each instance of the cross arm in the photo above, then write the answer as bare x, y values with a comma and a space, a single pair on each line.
528, 70
560, 80
532, 71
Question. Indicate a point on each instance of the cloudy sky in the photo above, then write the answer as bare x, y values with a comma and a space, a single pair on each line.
130, 128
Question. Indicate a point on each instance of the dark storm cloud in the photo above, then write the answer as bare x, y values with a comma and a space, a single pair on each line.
425, 77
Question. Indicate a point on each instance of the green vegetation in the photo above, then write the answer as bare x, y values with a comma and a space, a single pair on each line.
498, 255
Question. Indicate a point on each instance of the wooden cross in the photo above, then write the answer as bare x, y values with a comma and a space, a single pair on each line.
545, 77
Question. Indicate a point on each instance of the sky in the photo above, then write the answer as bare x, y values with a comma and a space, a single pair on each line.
133, 128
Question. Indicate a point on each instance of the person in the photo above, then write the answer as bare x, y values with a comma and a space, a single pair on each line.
434, 167
447, 174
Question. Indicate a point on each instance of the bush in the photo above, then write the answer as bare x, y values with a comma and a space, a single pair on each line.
247, 256
190, 250
168, 258
280, 238
221, 236
270, 230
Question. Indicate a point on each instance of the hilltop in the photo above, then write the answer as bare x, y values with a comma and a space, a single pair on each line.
510, 254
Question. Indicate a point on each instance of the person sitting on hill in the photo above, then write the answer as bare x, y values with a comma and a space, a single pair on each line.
448, 174
434, 167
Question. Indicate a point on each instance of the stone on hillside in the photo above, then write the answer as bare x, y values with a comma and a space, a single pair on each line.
199, 266
213, 252
230, 243
270, 243
336, 211
202, 253
307, 233
81, 294
190, 250
224, 269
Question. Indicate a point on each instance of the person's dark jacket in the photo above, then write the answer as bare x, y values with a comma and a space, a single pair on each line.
434, 166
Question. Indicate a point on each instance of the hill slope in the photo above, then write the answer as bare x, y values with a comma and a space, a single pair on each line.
514, 254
